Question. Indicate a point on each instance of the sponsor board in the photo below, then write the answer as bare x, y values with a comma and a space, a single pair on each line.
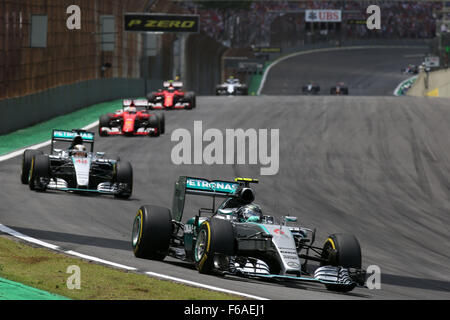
218, 186
61, 134
432, 61
323, 15
161, 22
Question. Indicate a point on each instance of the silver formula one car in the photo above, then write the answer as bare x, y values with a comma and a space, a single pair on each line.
232, 87
238, 239
75, 168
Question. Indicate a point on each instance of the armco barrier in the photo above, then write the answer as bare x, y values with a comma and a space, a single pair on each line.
28, 110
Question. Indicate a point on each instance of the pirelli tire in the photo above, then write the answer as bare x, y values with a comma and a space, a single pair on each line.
124, 178
104, 121
341, 250
39, 172
155, 122
214, 237
152, 231
190, 97
151, 97
27, 158
162, 122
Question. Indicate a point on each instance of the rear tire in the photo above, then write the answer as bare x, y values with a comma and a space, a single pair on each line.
152, 230
27, 158
214, 237
342, 250
124, 174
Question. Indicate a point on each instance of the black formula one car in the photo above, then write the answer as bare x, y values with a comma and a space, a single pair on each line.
238, 239
311, 88
76, 169
339, 89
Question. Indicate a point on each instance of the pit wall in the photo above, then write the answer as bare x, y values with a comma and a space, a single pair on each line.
438, 85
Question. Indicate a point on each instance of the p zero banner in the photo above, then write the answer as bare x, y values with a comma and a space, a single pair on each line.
323, 16
267, 49
156, 22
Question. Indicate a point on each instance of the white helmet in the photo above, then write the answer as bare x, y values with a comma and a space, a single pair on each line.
79, 150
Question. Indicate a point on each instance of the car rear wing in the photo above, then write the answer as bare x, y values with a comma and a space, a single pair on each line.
137, 102
175, 84
69, 135
201, 187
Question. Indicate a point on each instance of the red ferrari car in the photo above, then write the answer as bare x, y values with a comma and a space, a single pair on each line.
171, 97
132, 120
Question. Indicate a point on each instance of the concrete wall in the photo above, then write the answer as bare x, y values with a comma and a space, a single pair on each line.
202, 64
438, 85
28, 110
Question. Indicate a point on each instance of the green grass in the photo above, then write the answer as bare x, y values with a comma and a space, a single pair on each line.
42, 131
46, 270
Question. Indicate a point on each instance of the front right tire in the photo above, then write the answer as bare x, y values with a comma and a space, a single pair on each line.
124, 175
39, 171
27, 158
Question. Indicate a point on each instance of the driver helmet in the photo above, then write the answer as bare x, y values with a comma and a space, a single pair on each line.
79, 151
250, 213
171, 89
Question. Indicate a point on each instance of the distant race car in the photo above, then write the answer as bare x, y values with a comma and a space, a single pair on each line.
171, 97
133, 120
238, 239
311, 88
339, 89
411, 69
75, 169
232, 87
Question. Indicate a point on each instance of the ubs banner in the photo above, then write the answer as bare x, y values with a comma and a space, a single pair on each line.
161, 22
323, 16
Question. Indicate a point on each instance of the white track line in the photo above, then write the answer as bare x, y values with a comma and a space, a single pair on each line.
91, 258
263, 80
21, 236
196, 284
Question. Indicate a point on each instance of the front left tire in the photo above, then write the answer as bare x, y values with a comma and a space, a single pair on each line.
151, 234
341, 250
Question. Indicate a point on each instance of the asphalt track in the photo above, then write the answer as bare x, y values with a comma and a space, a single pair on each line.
377, 167
374, 71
